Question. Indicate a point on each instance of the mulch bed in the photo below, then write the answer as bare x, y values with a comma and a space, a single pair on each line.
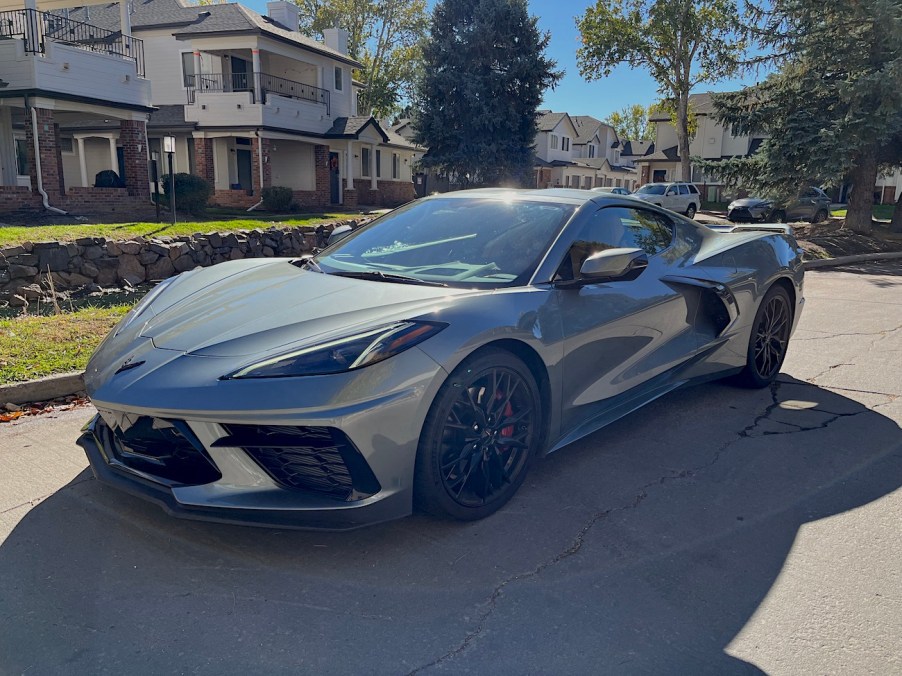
830, 240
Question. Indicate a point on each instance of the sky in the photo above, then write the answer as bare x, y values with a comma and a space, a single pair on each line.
573, 94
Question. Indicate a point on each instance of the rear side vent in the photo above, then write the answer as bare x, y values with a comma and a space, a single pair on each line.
320, 460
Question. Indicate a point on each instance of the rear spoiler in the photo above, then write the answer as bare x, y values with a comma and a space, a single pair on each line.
755, 227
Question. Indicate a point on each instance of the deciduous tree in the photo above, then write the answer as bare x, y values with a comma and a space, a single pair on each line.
631, 122
384, 35
485, 72
682, 43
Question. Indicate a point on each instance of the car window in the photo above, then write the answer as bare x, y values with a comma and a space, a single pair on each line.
684, 190
464, 242
811, 192
616, 228
651, 189
693, 190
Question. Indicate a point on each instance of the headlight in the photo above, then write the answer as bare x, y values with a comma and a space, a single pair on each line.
343, 354
144, 303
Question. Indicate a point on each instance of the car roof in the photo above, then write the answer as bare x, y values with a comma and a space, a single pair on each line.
566, 195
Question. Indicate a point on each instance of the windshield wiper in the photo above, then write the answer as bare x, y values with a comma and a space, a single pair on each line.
306, 262
379, 276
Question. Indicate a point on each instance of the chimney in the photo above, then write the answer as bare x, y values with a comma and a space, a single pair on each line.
336, 38
286, 13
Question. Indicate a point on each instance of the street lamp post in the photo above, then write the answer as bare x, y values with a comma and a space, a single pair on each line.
169, 148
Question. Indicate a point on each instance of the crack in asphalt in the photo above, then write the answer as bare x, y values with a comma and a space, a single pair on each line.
882, 334
576, 545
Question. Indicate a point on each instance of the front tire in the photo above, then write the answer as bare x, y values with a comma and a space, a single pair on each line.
769, 340
820, 216
690, 211
482, 432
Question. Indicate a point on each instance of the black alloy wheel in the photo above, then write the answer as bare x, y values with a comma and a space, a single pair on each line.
769, 339
480, 436
690, 211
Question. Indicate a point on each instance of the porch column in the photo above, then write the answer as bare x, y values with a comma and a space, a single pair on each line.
322, 175
34, 28
8, 168
373, 184
50, 154
133, 135
203, 159
114, 158
260, 146
82, 162
197, 81
349, 177
125, 25
258, 89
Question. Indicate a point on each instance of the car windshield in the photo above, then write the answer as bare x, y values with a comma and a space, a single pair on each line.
651, 189
460, 242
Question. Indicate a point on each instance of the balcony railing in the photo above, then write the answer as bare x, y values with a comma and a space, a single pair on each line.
35, 28
268, 84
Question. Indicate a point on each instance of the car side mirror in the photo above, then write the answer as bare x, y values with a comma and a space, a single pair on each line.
611, 265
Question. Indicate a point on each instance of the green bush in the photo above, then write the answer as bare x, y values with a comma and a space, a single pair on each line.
277, 198
191, 192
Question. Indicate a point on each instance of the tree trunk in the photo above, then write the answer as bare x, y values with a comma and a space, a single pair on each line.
683, 135
896, 224
861, 203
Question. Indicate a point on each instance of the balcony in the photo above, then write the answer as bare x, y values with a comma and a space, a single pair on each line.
54, 55
261, 86
36, 29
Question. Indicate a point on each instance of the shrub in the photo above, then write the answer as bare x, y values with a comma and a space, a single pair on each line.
277, 198
108, 179
191, 192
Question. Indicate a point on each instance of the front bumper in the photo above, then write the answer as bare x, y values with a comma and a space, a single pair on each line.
264, 505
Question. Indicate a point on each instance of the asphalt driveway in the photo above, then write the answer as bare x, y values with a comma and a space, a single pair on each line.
715, 531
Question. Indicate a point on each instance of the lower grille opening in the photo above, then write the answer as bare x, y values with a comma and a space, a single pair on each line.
318, 460
164, 449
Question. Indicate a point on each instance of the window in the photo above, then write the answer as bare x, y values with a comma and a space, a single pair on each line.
23, 159
339, 79
614, 228
188, 69
684, 189
692, 189
659, 175
365, 162
554, 142
378, 164
565, 143
395, 165
66, 145
591, 150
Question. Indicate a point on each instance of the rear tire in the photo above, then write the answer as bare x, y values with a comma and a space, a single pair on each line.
769, 340
690, 211
778, 216
477, 445
820, 216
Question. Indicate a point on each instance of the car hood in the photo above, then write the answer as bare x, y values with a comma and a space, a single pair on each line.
750, 202
251, 309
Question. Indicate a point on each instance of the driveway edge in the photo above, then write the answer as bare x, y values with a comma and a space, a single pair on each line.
42, 389
857, 258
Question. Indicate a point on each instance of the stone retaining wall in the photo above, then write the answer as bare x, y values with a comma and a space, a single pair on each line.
92, 263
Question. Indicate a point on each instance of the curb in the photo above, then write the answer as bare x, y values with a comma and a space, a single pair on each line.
845, 260
43, 389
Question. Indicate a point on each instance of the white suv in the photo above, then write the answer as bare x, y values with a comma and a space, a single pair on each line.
680, 197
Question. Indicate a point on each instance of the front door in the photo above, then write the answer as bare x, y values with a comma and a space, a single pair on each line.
622, 333
245, 170
240, 81
333, 177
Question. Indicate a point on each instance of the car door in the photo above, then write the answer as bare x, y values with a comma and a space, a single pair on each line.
671, 198
619, 335
805, 207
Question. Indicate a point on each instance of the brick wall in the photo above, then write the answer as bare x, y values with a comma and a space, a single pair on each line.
51, 157
387, 193
321, 172
350, 199
267, 167
203, 159
107, 201
17, 198
133, 139
236, 199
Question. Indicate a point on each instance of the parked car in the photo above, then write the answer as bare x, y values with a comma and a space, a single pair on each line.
427, 358
612, 190
812, 205
682, 198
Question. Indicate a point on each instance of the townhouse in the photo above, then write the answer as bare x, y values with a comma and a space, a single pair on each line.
579, 151
249, 101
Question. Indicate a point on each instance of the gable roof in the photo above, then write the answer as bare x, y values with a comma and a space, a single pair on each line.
549, 120
640, 148
200, 20
586, 127
700, 104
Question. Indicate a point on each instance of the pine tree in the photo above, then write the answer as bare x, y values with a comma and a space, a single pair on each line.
485, 72
832, 112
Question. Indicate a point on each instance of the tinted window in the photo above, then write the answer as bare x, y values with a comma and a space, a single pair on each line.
652, 189
693, 189
684, 190
617, 228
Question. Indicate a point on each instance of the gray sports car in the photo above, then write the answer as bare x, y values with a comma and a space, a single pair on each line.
429, 357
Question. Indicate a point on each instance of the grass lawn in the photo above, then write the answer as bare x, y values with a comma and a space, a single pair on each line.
882, 212
32, 346
66, 233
